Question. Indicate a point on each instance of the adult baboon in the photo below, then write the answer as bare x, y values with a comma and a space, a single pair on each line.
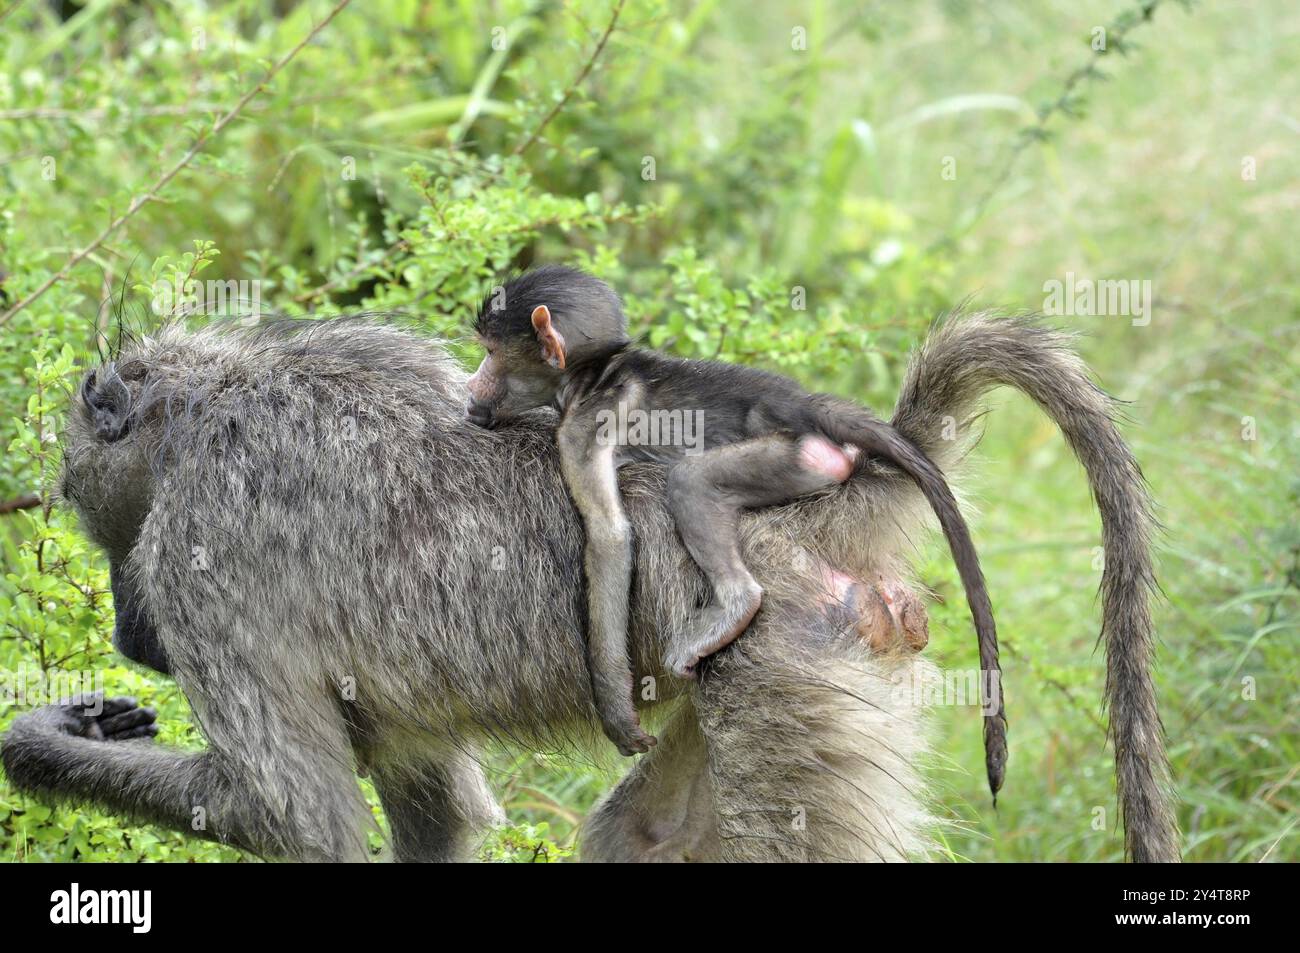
342, 572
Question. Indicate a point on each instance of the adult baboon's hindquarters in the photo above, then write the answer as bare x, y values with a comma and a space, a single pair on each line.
341, 571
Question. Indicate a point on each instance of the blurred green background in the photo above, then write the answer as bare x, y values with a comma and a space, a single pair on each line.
718, 162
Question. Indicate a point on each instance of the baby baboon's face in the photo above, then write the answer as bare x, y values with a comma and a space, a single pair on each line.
513, 379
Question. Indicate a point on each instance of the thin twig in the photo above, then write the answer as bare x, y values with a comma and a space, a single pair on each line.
140, 201
577, 81
1066, 103
28, 501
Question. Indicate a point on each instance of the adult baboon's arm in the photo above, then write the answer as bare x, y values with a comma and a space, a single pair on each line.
67, 751
91, 751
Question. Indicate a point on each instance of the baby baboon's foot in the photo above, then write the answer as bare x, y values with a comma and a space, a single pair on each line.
682, 661
713, 629
629, 738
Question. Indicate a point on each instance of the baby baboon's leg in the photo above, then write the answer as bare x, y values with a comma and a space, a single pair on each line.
706, 494
590, 472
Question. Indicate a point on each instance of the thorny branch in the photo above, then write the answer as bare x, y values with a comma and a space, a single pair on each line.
1067, 104
572, 87
144, 198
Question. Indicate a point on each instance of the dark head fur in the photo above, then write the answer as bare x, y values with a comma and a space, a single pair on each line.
585, 309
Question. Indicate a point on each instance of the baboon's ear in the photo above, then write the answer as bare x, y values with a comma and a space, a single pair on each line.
549, 337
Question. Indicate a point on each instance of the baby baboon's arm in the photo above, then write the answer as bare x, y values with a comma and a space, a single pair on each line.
590, 472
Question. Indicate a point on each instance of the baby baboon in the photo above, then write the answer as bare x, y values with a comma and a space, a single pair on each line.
339, 570
558, 335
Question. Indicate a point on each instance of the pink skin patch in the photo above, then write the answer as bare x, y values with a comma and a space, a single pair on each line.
838, 584
819, 455
887, 615
484, 385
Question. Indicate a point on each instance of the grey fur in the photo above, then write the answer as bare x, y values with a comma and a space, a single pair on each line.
344, 611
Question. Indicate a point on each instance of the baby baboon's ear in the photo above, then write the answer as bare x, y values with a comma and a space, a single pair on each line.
549, 337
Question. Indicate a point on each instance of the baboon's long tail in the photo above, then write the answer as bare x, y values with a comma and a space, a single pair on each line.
963, 359
851, 424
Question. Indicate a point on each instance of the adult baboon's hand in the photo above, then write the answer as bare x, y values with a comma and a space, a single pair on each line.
93, 717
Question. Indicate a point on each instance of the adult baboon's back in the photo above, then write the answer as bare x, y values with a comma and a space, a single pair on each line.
341, 572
